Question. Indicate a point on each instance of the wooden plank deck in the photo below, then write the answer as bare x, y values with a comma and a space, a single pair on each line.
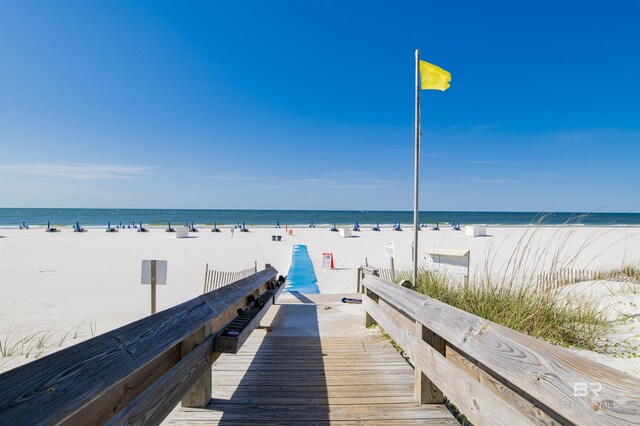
313, 378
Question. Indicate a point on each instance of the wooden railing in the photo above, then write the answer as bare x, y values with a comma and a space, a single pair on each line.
386, 274
213, 279
495, 375
132, 375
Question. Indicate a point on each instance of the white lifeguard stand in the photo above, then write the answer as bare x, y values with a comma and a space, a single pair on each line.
453, 262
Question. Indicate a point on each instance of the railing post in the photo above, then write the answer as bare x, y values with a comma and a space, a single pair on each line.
368, 319
359, 278
426, 391
200, 393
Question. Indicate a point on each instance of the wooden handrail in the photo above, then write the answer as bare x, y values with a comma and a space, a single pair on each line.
92, 381
496, 375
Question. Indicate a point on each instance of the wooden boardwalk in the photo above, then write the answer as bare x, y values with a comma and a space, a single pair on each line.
300, 375
317, 365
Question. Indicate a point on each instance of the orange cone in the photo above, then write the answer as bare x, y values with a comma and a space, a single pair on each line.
332, 266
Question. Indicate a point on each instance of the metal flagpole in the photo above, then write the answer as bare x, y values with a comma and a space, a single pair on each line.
416, 174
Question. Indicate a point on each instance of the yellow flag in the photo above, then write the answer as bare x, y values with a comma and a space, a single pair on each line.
433, 77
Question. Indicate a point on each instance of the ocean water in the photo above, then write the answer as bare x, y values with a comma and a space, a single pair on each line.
160, 217
301, 276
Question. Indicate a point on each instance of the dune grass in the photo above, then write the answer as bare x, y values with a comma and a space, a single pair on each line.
510, 295
34, 343
627, 272
540, 314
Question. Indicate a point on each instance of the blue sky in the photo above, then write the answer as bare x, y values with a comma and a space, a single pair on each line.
310, 105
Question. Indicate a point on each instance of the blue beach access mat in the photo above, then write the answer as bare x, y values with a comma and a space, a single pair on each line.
301, 276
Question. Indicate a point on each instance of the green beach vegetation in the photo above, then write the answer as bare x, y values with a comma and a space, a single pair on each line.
514, 296
541, 314
34, 343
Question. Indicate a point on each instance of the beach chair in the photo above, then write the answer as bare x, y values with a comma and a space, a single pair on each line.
397, 227
335, 228
50, 229
244, 228
311, 225
23, 226
377, 227
192, 228
356, 227
170, 229
436, 227
78, 228
278, 225
142, 228
215, 228
109, 228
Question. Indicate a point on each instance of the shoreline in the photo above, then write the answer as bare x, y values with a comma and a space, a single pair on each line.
301, 218
364, 226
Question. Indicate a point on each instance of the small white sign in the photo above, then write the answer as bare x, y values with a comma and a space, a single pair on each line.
161, 272
390, 249
326, 260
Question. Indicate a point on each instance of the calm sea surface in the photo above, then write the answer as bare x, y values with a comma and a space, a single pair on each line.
100, 217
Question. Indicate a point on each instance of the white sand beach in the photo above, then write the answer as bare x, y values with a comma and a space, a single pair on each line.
89, 283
